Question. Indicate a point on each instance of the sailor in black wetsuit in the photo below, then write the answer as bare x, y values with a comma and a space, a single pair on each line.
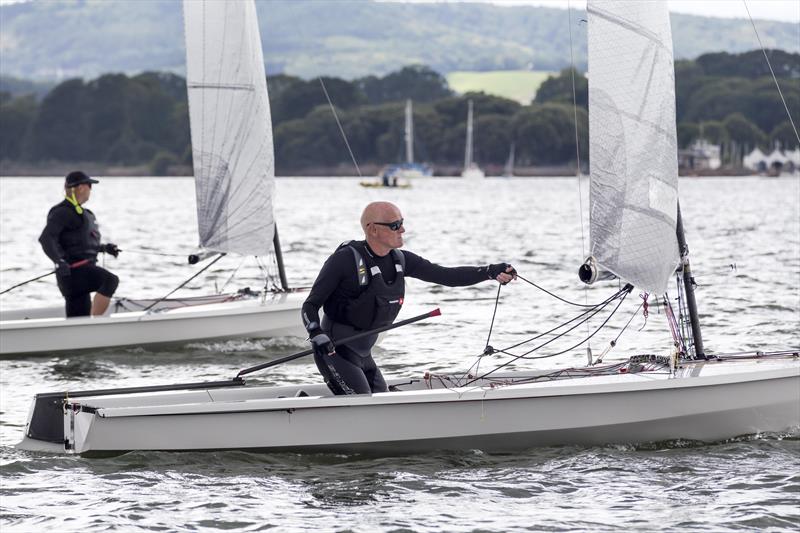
71, 239
361, 287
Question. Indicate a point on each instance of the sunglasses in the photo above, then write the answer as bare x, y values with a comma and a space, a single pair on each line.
394, 226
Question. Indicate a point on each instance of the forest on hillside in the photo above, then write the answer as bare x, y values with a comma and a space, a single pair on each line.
143, 120
48, 40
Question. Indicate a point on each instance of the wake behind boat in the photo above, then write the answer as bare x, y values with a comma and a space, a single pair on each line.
234, 167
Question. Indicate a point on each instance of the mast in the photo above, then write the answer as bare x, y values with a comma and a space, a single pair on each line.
688, 284
468, 151
409, 132
276, 242
509, 170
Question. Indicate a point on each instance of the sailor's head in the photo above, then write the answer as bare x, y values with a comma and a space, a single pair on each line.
78, 177
383, 228
78, 185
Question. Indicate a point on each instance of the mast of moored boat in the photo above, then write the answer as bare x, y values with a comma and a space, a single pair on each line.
468, 148
409, 132
276, 245
688, 284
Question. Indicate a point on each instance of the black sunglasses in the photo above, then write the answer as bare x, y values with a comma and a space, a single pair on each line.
394, 226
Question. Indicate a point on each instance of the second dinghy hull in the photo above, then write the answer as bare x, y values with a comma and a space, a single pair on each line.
277, 315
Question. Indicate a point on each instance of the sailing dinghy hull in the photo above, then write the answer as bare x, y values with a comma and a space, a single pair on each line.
277, 315
702, 402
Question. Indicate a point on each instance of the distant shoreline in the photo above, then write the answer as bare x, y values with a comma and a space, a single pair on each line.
368, 171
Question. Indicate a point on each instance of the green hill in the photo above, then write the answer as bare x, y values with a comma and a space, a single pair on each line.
517, 85
343, 38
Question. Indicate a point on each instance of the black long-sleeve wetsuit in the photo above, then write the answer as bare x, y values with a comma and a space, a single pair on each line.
337, 282
70, 237
352, 369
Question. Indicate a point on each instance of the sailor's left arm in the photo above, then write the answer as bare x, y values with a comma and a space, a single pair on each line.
461, 276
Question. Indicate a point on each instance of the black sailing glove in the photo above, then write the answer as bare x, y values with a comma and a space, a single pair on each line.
492, 271
321, 343
62, 269
110, 248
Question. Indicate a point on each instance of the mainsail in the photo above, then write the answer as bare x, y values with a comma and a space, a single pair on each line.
231, 126
633, 146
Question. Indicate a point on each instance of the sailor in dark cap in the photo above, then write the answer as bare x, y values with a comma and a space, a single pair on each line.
71, 239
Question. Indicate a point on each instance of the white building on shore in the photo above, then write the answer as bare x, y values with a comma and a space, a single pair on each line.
776, 162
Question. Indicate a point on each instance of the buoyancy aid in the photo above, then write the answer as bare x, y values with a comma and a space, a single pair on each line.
79, 240
377, 305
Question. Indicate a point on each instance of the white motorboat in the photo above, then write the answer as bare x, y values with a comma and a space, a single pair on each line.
234, 181
637, 235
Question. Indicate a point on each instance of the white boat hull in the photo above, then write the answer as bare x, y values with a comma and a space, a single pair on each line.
473, 173
277, 315
704, 402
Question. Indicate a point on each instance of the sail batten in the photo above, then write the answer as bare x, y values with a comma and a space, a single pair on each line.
231, 126
633, 142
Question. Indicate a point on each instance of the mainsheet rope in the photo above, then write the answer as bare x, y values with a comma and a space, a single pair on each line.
148, 252
583, 317
618, 296
556, 296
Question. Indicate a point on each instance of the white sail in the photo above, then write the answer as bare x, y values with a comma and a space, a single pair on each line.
633, 146
231, 126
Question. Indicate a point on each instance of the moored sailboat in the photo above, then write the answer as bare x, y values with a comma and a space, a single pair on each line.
233, 158
682, 394
401, 174
471, 168
508, 169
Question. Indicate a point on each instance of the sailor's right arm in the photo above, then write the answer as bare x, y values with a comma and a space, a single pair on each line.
49, 238
330, 276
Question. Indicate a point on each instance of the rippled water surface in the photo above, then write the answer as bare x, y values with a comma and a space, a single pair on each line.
744, 236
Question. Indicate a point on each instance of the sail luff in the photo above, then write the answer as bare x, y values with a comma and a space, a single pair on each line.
633, 142
231, 126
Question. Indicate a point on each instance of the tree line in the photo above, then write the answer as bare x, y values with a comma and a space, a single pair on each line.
143, 119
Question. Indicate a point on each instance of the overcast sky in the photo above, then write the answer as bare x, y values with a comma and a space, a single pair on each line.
782, 10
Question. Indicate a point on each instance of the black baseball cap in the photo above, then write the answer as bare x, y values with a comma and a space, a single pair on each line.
77, 177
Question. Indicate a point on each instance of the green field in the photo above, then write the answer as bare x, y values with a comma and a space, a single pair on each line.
519, 85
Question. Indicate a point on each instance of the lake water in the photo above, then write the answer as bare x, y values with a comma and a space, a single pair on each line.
744, 236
